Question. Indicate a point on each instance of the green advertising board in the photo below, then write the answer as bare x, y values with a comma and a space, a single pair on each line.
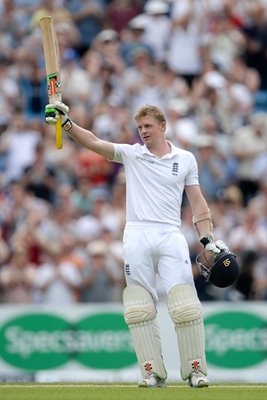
236, 339
41, 341
38, 340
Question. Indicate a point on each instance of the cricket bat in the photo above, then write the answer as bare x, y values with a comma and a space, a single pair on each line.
52, 66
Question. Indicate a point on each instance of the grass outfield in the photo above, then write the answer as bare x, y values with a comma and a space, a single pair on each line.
36, 391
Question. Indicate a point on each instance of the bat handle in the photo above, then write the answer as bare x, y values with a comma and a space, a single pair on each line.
59, 133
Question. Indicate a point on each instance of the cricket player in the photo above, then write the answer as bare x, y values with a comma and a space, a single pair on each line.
157, 174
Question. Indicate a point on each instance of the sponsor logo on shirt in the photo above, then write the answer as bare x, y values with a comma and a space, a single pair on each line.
141, 158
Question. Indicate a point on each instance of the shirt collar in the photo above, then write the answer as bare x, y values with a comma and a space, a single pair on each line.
174, 151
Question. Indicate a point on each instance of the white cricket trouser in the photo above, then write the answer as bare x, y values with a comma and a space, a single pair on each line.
151, 248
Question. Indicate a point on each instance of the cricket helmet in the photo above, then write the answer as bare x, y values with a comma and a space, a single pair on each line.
220, 269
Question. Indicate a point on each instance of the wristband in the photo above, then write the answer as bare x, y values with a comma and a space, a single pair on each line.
67, 125
206, 239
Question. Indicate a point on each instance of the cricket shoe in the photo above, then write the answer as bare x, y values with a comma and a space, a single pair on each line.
198, 380
152, 381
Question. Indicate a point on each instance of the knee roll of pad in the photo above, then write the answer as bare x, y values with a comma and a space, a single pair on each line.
183, 304
138, 305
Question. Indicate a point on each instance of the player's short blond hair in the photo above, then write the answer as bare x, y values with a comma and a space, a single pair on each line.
154, 111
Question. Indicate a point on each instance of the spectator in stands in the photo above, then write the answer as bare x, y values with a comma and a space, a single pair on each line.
51, 7
259, 285
20, 209
183, 129
210, 96
120, 12
185, 35
157, 19
107, 45
115, 259
228, 210
132, 39
81, 197
58, 279
133, 76
4, 249
173, 87
40, 178
149, 92
17, 277
212, 168
99, 278
251, 235
19, 142
249, 142
9, 92
255, 33
75, 80
225, 41
96, 169
259, 201
33, 86
88, 17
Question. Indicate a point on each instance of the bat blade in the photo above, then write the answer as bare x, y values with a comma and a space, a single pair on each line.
52, 66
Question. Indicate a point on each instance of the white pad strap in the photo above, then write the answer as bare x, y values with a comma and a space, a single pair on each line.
186, 312
140, 316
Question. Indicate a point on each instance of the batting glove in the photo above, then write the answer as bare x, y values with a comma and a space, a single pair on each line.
216, 247
53, 111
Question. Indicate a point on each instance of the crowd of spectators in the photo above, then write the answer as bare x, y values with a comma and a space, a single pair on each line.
204, 62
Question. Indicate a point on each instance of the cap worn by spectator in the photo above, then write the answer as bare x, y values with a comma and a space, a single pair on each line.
138, 23
97, 248
107, 35
181, 106
156, 7
241, 94
140, 51
185, 131
70, 55
205, 141
214, 80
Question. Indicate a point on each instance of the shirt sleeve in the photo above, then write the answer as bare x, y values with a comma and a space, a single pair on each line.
192, 176
122, 152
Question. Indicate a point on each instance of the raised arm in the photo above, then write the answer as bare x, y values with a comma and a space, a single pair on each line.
82, 136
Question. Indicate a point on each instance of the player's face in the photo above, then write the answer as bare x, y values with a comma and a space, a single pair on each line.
150, 130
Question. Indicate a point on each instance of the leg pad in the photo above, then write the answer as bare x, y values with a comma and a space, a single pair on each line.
186, 312
140, 316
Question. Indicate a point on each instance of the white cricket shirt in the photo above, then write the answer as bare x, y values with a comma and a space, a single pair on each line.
155, 186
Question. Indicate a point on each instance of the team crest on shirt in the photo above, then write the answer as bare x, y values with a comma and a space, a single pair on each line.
127, 269
175, 168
